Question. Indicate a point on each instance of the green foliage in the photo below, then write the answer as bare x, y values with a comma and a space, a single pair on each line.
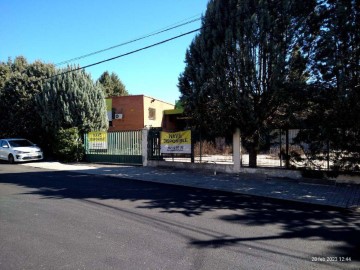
37, 109
19, 82
178, 104
5, 72
240, 69
72, 100
68, 146
332, 43
257, 65
112, 85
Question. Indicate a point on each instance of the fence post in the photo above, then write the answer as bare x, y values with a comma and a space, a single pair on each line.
201, 145
280, 149
236, 150
328, 154
192, 157
287, 156
144, 145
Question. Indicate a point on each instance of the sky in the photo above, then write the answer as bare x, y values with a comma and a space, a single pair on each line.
56, 31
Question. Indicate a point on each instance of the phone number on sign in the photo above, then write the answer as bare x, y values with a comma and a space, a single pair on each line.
331, 259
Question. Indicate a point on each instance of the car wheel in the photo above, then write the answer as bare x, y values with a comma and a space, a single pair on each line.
11, 159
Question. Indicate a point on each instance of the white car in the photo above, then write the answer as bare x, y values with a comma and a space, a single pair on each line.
19, 150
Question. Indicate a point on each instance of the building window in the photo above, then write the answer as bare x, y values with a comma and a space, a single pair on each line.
152, 114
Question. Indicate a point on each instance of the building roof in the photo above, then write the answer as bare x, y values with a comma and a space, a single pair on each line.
174, 111
142, 96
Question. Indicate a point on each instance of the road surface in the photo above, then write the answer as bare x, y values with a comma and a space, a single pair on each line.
66, 220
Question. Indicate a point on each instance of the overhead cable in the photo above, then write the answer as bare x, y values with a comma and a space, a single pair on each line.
131, 52
128, 42
122, 55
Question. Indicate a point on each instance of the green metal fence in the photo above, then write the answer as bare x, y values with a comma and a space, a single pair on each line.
122, 147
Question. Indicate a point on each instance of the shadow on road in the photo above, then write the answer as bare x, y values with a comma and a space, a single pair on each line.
297, 220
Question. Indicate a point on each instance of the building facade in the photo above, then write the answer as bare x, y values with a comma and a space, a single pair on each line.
136, 112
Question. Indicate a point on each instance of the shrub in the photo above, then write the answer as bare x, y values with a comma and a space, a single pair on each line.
211, 148
68, 145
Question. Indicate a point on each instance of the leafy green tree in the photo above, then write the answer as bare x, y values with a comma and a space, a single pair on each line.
237, 72
72, 100
5, 72
20, 82
112, 85
332, 45
294, 108
34, 107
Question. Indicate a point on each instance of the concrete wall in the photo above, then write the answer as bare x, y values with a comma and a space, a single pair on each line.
256, 172
226, 168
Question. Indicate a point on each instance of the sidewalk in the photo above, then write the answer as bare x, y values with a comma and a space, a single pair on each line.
337, 195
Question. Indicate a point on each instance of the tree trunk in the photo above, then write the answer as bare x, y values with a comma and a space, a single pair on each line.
253, 151
252, 156
287, 156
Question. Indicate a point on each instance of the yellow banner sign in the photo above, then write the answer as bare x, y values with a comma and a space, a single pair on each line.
175, 142
97, 140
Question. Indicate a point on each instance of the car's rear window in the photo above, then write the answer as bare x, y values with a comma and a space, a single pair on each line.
20, 143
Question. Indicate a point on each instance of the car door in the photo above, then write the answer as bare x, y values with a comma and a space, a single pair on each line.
1, 150
4, 149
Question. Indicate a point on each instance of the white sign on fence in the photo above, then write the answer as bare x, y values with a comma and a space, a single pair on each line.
98, 140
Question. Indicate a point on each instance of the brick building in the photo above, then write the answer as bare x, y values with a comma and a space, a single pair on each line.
137, 111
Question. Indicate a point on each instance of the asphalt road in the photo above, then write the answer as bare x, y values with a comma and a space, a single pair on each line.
67, 220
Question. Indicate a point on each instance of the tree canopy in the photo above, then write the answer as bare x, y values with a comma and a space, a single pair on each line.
74, 101
238, 68
332, 47
19, 84
112, 85
262, 64
39, 108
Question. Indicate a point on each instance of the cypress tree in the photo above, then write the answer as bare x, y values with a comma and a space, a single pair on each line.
72, 100
332, 45
237, 67
112, 85
20, 82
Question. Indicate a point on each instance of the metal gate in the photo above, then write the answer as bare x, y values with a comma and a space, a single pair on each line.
122, 147
154, 144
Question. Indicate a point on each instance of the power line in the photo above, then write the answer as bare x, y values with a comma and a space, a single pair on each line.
131, 52
125, 54
138, 50
163, 30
